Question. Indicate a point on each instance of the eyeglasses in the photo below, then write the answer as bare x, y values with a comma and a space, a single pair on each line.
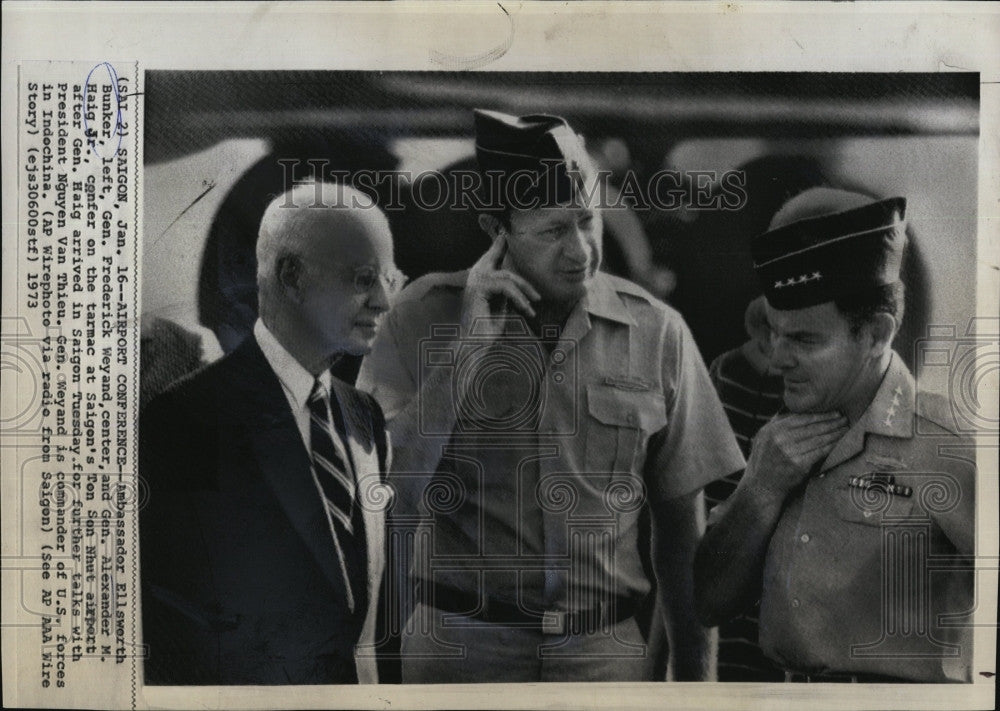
365, 277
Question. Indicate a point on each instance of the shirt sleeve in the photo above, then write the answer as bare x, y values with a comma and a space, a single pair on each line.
697, 446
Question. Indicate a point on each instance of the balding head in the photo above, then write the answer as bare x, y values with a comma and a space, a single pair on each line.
318, 246
325, 216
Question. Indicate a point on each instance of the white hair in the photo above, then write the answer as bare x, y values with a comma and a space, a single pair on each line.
285, 227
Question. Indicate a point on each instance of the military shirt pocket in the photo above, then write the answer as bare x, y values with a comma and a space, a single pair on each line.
618, 426
873, 506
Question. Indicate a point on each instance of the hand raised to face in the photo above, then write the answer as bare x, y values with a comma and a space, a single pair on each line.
487, 281
789, 446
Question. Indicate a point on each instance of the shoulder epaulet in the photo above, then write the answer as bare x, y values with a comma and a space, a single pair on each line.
630, 292
624, 287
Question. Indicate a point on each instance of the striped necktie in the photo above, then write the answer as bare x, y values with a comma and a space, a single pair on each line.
330, 459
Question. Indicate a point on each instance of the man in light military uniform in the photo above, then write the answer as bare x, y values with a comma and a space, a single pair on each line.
853, 523
541, 410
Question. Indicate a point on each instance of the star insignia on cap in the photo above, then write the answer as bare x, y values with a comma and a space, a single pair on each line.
800, 279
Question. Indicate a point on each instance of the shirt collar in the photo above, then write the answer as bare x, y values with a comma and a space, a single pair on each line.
296, 380
891, 411
602, 300
890, 414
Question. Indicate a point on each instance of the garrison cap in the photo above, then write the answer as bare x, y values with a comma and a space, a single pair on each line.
538, 160
826, 243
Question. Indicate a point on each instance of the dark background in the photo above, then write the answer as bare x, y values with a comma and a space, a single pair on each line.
212, 141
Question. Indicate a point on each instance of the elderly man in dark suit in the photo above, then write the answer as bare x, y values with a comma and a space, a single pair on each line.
262, 539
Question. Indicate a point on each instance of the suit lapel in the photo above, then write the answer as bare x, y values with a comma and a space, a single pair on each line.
281, 454
372, 498
371, 492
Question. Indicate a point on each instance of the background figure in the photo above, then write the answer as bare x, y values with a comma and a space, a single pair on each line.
628, 251
749, 389
750, 393
167, 353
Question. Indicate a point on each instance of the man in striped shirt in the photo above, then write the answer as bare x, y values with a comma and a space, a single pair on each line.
750, 394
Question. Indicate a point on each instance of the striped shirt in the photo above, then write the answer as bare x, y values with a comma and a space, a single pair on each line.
750, 400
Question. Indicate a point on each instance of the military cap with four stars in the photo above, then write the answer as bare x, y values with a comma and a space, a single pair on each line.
826, 243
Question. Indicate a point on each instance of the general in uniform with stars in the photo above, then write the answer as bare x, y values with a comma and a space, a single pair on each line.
854, 521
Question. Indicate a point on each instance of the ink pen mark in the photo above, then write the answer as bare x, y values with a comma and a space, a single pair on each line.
476, 61
209, 186
118, 130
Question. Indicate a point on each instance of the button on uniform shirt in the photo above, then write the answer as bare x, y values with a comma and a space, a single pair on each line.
539, 495
860, 580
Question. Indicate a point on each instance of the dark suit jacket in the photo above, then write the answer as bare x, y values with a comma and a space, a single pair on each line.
241, 580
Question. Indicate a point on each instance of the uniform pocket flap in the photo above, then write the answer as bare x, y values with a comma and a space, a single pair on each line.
644, 410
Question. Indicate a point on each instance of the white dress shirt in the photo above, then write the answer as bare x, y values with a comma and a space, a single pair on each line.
297, 383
